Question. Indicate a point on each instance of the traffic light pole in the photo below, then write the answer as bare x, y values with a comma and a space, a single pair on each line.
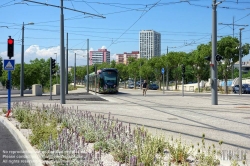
50, 79
182, 87
183, 76
163, 84
9, 94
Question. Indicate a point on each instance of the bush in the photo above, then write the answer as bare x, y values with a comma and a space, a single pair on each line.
179, 152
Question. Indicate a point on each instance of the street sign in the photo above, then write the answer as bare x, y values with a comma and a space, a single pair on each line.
162, 71
9, 64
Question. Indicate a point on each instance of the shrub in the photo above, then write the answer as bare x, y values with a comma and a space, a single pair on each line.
179, 152
207, 156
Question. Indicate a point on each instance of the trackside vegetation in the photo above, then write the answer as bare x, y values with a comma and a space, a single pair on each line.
64, 135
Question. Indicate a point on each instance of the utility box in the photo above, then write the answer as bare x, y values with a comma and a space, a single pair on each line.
56, 89
37, 90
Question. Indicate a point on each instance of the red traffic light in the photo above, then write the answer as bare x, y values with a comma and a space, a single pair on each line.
10, 41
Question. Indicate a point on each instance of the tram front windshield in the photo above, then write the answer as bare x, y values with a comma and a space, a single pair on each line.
109, 77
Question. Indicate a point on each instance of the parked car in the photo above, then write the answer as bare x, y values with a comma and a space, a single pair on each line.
153, 86
131, 86
245, 89
138, 83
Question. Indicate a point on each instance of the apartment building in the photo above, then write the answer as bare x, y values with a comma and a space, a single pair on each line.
98, 57
150, 44
123, 58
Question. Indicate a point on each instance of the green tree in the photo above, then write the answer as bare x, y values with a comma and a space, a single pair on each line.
133, 68
174, 61
198, 63
228, 47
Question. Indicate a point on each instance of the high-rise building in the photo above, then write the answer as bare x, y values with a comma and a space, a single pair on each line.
123, 58
150, 44
98, 57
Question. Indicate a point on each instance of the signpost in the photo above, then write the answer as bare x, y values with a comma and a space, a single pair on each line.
9, 65
162, 72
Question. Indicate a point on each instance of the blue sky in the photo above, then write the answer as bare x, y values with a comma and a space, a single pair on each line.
183, 25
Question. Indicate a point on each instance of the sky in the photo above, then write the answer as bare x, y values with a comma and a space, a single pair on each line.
183, 24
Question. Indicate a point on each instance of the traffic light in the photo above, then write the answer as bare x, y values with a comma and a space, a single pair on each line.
7, 84
218, 58
208, 58
183, 70
53, 66
10, 49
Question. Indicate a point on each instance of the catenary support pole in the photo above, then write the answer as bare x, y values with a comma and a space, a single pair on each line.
22, 64
87, 65
62, 59
213, 65
67, 65
240, 65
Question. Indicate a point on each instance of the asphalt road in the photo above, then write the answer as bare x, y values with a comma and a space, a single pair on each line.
8, 148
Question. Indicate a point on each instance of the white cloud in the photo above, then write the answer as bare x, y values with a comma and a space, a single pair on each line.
113, 57
103, 47
4, 54
35, 50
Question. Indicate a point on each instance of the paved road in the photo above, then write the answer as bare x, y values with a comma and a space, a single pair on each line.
172, 114
8, 147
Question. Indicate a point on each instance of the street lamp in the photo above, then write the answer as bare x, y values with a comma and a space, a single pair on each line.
240, 63
75, 73
22, 60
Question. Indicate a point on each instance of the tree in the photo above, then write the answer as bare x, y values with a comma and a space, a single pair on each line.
112, 64
228, 47
174, 62
133, 68
198, 63
156, 63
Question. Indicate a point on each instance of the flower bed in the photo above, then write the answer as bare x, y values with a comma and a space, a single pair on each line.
68, 136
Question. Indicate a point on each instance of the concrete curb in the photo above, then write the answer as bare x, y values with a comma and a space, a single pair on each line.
31, 155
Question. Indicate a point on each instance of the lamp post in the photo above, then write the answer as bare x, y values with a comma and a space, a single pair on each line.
75, 72
240, 63
22, 60
140, 77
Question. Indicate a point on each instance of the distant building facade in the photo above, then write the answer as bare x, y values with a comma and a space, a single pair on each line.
150, 44
123, 58
98, 57
245, 66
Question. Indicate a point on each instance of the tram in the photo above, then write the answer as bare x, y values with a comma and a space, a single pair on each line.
104, 81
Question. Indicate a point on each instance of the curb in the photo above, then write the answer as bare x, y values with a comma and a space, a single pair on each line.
31, 155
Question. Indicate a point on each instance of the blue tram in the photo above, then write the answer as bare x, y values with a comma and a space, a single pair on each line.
104, 81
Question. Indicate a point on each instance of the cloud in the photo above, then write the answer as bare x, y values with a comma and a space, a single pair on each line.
113, 57
103, 47
35, 50
4, 54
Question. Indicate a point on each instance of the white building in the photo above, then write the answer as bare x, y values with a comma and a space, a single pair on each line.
98, 57
150, 44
